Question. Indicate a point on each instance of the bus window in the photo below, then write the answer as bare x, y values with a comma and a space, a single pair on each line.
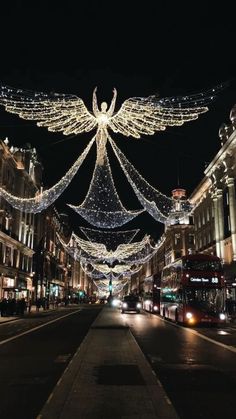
205, 299
202, 265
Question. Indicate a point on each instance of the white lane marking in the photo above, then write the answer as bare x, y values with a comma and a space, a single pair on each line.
194, 332
223, 345
37, 327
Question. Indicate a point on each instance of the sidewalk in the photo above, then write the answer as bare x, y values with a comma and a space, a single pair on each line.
33, 311
108, 377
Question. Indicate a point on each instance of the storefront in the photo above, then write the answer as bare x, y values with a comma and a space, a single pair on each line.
8, 287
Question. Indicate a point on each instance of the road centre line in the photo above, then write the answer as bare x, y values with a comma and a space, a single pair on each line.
37, 327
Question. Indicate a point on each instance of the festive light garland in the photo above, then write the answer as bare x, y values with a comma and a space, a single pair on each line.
45, 198
137, 115
131, 254
159, 206
111, 239
106, 272
95, 252
103, 286
67, 113
102, 206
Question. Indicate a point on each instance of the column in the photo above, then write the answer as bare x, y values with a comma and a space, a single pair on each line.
221, 221
232, 214
217, 237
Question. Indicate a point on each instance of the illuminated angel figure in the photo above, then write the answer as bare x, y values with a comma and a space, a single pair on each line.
137, 115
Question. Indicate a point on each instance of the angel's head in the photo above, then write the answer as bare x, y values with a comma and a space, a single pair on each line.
104, 106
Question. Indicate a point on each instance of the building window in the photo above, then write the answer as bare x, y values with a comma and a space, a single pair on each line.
199, 221
177, 239
208, 214
209, 237
191, 238
203, 218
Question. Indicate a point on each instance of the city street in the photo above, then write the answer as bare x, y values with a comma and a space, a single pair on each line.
196, 366
32, 363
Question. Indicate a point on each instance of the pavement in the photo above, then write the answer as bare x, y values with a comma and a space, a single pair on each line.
33, 311
108, 377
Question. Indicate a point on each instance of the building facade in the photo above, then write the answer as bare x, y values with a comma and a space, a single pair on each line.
33, 263
20, 174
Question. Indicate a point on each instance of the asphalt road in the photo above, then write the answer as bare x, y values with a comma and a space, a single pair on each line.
34, 352
197, 367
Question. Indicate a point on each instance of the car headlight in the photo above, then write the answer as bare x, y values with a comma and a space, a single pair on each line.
222, 316
189, 315
155, 308
139, 305
124, 305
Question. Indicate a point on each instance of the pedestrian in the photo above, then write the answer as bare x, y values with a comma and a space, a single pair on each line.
29, 305
22, 306
38, 304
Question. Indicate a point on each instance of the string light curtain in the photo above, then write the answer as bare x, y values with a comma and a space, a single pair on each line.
111, 239
45, 198
102, 206
68, 114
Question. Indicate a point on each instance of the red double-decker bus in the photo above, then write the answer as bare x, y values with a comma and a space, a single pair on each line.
193, 290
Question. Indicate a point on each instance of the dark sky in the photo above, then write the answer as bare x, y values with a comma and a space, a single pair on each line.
164, 47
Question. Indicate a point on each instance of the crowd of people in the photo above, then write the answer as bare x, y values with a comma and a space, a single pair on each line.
13, 307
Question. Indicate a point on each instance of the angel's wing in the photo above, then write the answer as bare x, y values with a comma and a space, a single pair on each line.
55, 111
146, 115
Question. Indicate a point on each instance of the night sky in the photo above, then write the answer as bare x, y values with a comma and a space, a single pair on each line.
157, 47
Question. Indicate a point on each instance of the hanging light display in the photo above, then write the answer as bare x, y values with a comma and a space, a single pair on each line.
111, 239
45, 198
68, 114
98, 269
103, 286
91, 252
102, 206
138, 115
156, 203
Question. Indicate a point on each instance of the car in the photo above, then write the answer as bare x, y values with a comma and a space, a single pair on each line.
131, 303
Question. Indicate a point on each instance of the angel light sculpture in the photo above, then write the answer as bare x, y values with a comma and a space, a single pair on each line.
137, 116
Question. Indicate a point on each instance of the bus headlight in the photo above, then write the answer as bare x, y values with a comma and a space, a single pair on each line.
222, 316
189, 315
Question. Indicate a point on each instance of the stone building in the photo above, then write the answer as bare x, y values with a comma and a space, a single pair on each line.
176, 241
214, 203
33, 263
211, 226
20, 174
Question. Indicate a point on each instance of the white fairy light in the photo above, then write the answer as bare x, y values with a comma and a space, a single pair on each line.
97, 251
102, 206
111, 239
68, 114
45, 198
103, 286
137, 115
161, 207
91, 252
